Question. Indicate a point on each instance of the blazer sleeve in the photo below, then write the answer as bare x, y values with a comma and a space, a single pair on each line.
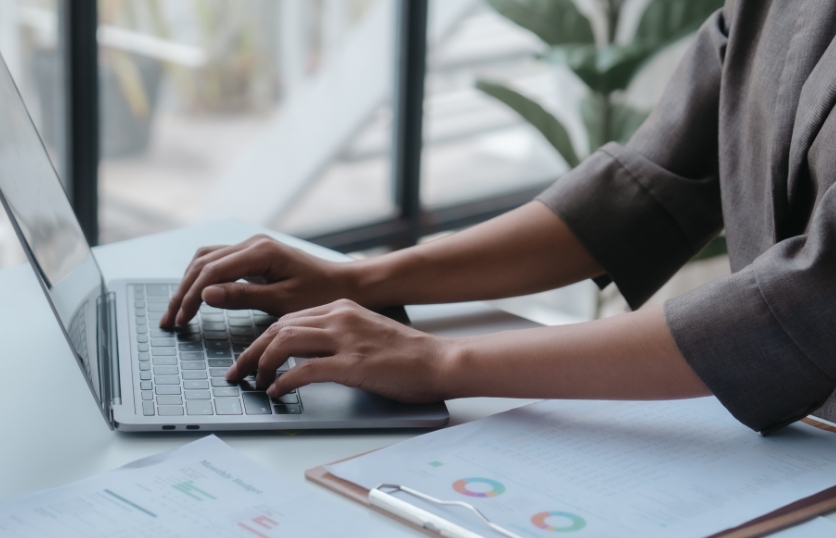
644, 210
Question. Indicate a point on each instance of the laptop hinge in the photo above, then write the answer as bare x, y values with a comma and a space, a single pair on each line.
108, 353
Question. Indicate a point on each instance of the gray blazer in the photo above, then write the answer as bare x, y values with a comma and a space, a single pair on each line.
744, 139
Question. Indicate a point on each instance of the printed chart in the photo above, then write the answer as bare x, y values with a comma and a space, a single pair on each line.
602, 469
202, 489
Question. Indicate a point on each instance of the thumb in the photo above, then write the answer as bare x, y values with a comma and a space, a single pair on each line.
237, 295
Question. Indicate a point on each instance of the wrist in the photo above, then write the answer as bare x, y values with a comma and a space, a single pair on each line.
454, 361
366, 282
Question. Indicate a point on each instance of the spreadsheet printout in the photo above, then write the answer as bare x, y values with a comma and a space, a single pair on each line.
204, 488
681, 468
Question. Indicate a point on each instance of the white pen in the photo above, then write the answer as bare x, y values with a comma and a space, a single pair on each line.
425, 519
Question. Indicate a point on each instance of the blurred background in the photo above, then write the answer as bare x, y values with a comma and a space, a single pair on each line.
363, 125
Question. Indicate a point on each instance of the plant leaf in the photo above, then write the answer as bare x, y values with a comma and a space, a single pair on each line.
592, 108
537, 116
625, 121
603, 70
557, 22
664, 21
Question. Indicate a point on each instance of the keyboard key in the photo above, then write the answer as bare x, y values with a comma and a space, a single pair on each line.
218, 317
142, 330
218, 354
240, 322
220, 362
163, 352
221, 382
191, 356
169, 400
170, 410
157, 299
163, 361
286, 399
144, 366
195, 385
142, 338
145, 376
217, 372
193, 374
239, 348
197, 394
166, 370
157, 307
247, 385
243, 339
142, 347
284, 367
257, 403
162, 342
264, 321
145, 385
238, 314
214, 326
217, 344
144, 356
139, 304
242, 331
162, 333
190, 346
228, 406
199, 407
206, 309
168, 390
148, 409
147, 395
140, 312
190, 337
141, 321
215, 335
287, 409
225, 392
167, 380
156, 289
193, 365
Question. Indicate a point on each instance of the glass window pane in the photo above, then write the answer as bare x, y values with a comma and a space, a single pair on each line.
274, 112
30, 47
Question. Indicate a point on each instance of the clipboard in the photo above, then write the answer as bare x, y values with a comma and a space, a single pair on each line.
787, 516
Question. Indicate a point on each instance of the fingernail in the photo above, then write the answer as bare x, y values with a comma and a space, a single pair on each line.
230, 373
272, 391
214, 294
179, 319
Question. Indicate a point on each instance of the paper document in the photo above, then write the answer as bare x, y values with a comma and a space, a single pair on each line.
202, 489
595, 468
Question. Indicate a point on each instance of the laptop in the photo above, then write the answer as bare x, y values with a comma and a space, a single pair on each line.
144, 378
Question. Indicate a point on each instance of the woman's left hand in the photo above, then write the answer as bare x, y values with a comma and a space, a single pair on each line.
355, 347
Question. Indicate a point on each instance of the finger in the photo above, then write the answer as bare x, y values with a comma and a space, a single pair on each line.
248, 361
292, 342
321, 310
322, 370
228, 268
237, 295
202, 256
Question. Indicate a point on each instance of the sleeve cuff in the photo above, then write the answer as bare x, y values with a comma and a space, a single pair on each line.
728, 335
638, 220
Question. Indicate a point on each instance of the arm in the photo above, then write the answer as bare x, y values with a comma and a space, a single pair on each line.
526, 250
631, 356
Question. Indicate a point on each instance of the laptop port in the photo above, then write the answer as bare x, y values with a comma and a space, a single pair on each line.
192, 427
168, 427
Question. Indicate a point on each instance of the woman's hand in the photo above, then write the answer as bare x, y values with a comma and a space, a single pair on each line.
356, 347
281, 279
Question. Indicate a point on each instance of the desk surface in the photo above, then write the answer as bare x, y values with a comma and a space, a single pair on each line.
53, 434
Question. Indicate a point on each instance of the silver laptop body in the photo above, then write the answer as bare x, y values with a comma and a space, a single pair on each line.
143, 378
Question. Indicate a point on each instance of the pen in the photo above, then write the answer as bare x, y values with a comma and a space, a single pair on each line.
427, 520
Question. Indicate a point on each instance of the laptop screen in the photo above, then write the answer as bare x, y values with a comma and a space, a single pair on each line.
48, 230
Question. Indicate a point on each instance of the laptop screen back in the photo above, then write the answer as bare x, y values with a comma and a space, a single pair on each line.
48, 229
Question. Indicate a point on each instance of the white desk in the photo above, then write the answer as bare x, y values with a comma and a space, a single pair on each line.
52, 433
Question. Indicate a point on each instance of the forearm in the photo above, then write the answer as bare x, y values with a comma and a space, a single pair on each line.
523, 251
632, 357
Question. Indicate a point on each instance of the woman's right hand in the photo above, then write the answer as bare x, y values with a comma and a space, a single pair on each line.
279, 279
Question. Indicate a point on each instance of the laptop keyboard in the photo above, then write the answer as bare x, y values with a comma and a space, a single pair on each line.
181, 372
